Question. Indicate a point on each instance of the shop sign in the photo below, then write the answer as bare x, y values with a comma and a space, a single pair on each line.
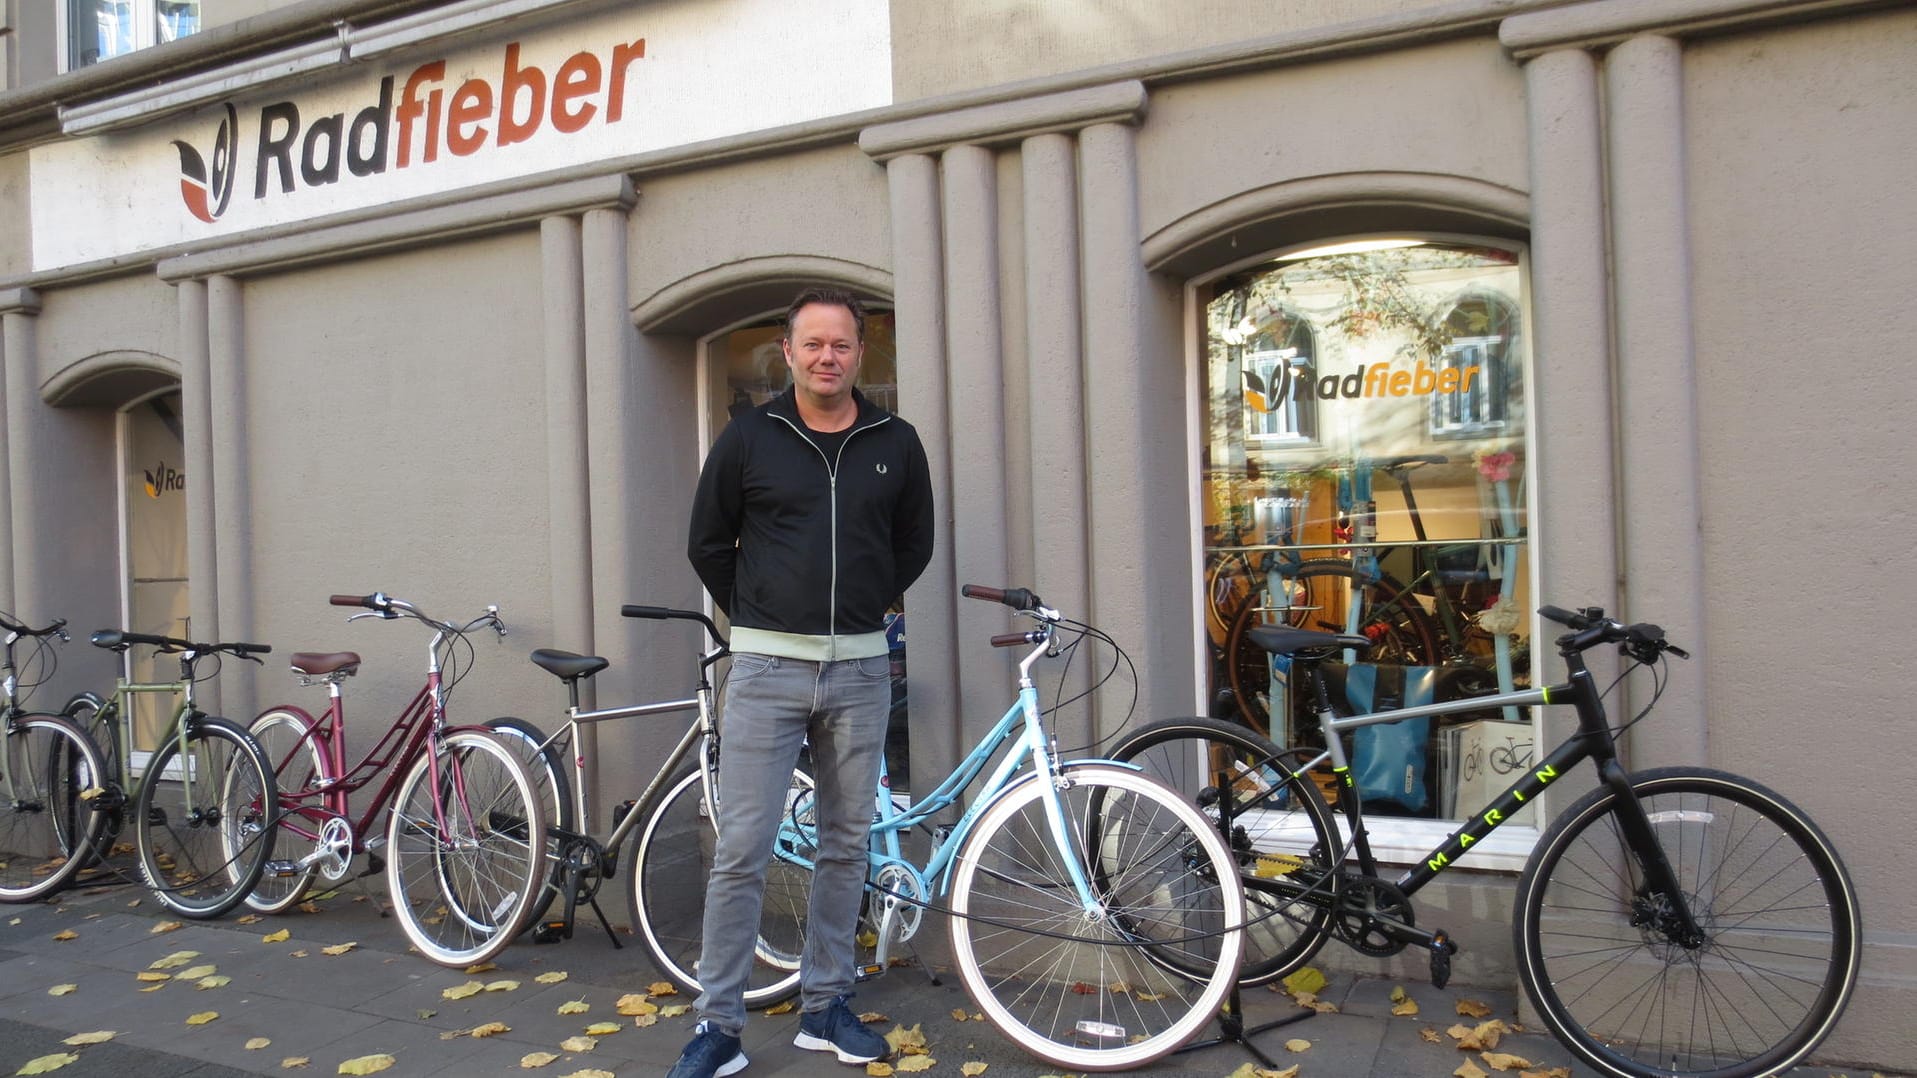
588, 90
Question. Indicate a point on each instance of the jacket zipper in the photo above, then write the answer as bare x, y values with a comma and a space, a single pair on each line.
832, 490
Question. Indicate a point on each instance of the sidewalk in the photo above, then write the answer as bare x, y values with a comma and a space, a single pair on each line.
377, 999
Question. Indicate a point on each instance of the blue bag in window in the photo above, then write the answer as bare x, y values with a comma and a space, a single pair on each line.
1390, 761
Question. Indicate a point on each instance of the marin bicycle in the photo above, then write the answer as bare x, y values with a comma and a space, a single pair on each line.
1094, 914
200, 803
1672, 921
460, 846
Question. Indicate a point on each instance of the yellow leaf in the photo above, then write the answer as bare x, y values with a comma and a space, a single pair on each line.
551, 978
277, 937
674, 1010
296, 954
868, 939
310, 907
202, 1018
165, 926
1505, 1061
97, 1037
1409, 1006
425, 1014
661, 988
958, 1014
63, 989
879, 1070
915, 1063
367, 1064
481, 967
256, 1043
197, 972
1471, 1008
1308, 979
577, 1044
339, 948
633, 1003
869, 1017
502, 986
452, 1034
43, 1064
589, 1072
1468, 1069
205, 983
249, 919
491, 1029
1397, 993
1565, 1072
153, 988
1431, 1035
61, 936
784, 1008
294, 1061
533, 1060
972, 1070
644, 1021
601, 1029
1297, 1044
907, 1041
577, 1006
152, 975
175, 960
470, 988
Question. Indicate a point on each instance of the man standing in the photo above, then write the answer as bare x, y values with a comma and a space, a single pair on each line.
813, 514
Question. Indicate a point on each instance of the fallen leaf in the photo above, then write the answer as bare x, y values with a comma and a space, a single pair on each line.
907, 1041
1397, 993
958, 1014
1471, 1008
1480, 1037
1409, 1006
313, 907
100, 1036
577, 1044
1565, 1072
783, 1008
220, 981
153, 988
481, 967
533, 1060
61, 936
277, 937
589, 1072
577, 1006
674, 1010
491, 1029
425, 1014
601, 1029
1505, 1061
43, 1064
867, 939
553, 977
296, 954
175, 960
1431, 1035
165, 926
341, 948
1309, 979
876, 1070
63, 989
202, 1018
661, 988
257, 1043
633, 1003
452, 1034
645, 1020
1297, 1044
1468, 1069
367, 1064
294, 1061
502, 986
197, 972
152, 975
915, 1063
972, 1070
470, 988
249, 919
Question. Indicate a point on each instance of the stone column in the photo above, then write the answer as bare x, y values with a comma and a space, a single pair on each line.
569, 531
196, 417
232, 523
1659, 458
16, 364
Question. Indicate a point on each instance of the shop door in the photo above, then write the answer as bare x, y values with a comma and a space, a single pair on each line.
153, 548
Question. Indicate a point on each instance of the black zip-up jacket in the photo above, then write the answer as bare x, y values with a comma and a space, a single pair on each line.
805, 553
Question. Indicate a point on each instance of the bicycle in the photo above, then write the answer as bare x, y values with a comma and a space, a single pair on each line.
1514, 755
1094, 938
47, 764
1679, 921
462, 865
200, 802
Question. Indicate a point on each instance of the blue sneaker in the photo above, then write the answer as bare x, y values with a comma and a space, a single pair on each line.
711, 1054
837, 1029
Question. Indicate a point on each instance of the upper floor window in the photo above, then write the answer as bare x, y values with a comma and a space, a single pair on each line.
1480, 329
99, 30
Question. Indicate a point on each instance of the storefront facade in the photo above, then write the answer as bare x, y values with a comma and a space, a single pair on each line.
348, 295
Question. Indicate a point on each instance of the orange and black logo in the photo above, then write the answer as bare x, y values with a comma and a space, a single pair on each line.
207, 190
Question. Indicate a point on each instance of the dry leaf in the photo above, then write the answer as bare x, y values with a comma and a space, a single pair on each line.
661, 988
257, 1043
869, 1017
1397, 993
341, 948
96, 1037
425, 1014
276, 937
61, 936
313, 907
878, 1070
958, 1014
551, 978
633, 1003
452, 1034
534, 1060
601, 1029
491, 1029
1468, 1069
175, 960
470, 988
1480, 1037
481, 967
367, 1064
1431, 1035
1565, 1072
589, 1072
43, 1064
1297, 1044
502, 986
1505, 1061
674, 1010
165, 926
197, 972
153, 988
577, 1044
783, 1008
249, 919
1409, 1006
152, 975
294, 1061
906, 1041
577, 1006
972, 1070
296, 954
915, 1063
645, 1020
63, 989
202, 1018
1471, 1008
220, 981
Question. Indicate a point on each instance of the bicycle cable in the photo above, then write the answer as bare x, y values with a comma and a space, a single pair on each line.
1660, 678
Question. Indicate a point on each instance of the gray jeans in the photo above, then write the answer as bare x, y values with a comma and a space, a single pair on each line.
772, 707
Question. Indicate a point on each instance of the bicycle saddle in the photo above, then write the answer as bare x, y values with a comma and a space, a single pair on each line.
567, 666
1307, 643
314, 663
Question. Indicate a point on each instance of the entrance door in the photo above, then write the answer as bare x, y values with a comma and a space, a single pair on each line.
153, 547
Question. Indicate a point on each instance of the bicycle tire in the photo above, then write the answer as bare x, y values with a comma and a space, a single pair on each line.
672, 862
46, 823
300, 772
85, 712
1101, 998
1783, 932
463, 891
1283, 838
1316, 593
548, 771
203, 822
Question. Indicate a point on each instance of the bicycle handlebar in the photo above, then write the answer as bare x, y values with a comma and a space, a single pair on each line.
667, 613
56, 629
120, 640
1014, 640
1642, 641
388, 607
1016, 598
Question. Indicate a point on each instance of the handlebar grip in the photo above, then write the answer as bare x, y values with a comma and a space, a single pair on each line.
655, 613
1016, 598
251, 649
1013, 640
1563, 617
109, 639
352, 600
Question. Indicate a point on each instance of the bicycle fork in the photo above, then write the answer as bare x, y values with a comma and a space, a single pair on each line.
1659, 903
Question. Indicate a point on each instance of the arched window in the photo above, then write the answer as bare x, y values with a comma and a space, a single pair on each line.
1481, 331
1274, 349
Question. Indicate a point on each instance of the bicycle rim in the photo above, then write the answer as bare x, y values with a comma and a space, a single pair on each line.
672, 863
47, 826
1282, 835
465, 849
201, 820
298, 770
550, 785
1777, 909
1118, 987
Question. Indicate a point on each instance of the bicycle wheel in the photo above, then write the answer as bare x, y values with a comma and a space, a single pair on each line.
299, 768
1318, 595
1282, 836
88, 712
548, 771
672, 860
47, 826
202, 824
1113, 987
1781, 931
464, 849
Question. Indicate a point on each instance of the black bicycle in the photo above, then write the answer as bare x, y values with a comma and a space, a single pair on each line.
1675, 921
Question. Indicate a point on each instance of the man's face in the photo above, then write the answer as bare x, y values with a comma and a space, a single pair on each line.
824, 352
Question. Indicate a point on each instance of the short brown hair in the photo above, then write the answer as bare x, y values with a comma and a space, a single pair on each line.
830, 297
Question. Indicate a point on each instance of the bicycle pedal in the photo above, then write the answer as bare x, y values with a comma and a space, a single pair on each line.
866, 973
280, 870
551, 932
1441, 951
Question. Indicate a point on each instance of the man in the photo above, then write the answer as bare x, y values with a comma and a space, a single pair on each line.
813, 514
